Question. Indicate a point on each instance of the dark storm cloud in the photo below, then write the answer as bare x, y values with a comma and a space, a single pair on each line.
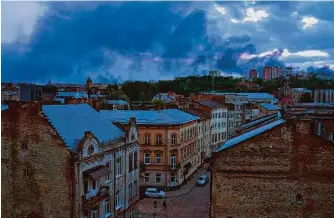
113, 41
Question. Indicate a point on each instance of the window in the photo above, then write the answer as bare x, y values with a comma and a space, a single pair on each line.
24, 145
158, 158
25, 173
147, 138
147, 158
158, 178
219, 115
135, 161
118, 166
158, 139
132, 214
108, 176
182, 136
212, 138
173, 138
173, 177
218, 125
94, 184
130, 191
90, 150
219, 136
134, 189
107, 207
86, 185
118, 198
95, 213
147, 177
130, 162
299, 199
215, 137
173, 161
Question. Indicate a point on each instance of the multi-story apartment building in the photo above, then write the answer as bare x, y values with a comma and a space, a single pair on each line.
252, 74
203, 132
67, 161
324, 96
276, 72
169, 153
218, 113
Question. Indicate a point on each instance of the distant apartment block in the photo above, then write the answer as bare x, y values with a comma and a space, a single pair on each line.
10, 92
273, 72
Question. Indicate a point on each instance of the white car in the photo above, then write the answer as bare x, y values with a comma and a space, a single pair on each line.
154, 193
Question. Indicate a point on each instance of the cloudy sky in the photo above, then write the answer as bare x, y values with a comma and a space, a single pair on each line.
118, 41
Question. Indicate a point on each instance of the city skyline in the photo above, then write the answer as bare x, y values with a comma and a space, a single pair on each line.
118, 41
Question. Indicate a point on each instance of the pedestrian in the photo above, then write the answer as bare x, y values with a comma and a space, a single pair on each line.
164, 205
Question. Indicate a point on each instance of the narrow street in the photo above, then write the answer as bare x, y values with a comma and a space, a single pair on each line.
190, 204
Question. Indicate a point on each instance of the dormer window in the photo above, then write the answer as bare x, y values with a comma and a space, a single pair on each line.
90, 150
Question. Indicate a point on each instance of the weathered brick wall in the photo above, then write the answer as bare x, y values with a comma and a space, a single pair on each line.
45, 192
262, 176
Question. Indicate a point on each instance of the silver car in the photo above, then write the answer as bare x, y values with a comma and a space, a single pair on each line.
154, 193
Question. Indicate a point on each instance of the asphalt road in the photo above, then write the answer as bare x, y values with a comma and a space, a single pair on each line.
192, 205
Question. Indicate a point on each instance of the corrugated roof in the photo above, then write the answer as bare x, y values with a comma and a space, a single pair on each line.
253, 95
81, 94
162, 117
4, 107
234, 141
270, 107
260, 120
72, 121
117, 102
210, 104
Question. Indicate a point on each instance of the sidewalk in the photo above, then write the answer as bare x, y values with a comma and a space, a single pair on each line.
186, 188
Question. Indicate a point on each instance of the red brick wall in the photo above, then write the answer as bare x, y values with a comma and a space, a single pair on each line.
45, 192
263, 175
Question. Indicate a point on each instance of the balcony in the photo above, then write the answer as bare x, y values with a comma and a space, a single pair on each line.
93, 198
174, 167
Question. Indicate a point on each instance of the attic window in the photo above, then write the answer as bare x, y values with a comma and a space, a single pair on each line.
299, 199
90, 150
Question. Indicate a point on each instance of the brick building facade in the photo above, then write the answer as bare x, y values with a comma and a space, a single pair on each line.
285, 171
67, 161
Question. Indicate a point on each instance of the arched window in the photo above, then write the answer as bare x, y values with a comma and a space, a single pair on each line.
90, 150
173, 138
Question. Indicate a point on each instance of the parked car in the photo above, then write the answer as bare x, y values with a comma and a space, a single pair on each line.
154, 193
202, 180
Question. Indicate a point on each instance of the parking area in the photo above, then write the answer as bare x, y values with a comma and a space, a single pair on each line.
190, 204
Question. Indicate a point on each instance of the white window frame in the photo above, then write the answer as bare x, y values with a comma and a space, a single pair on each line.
173, 160
107, 207
118, 166
173, 138
118, 199
149, 158
107, 178
147, 138
158, 139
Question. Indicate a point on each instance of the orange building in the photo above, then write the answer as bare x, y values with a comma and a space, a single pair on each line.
169, 152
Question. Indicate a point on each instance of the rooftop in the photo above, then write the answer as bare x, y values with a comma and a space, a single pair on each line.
117, 102
251, 95
4, 107
210, 104
270, 107
243, 137
153, 117
197, 112
72, 121
302, 90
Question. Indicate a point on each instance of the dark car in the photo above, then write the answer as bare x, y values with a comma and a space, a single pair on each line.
202, 180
